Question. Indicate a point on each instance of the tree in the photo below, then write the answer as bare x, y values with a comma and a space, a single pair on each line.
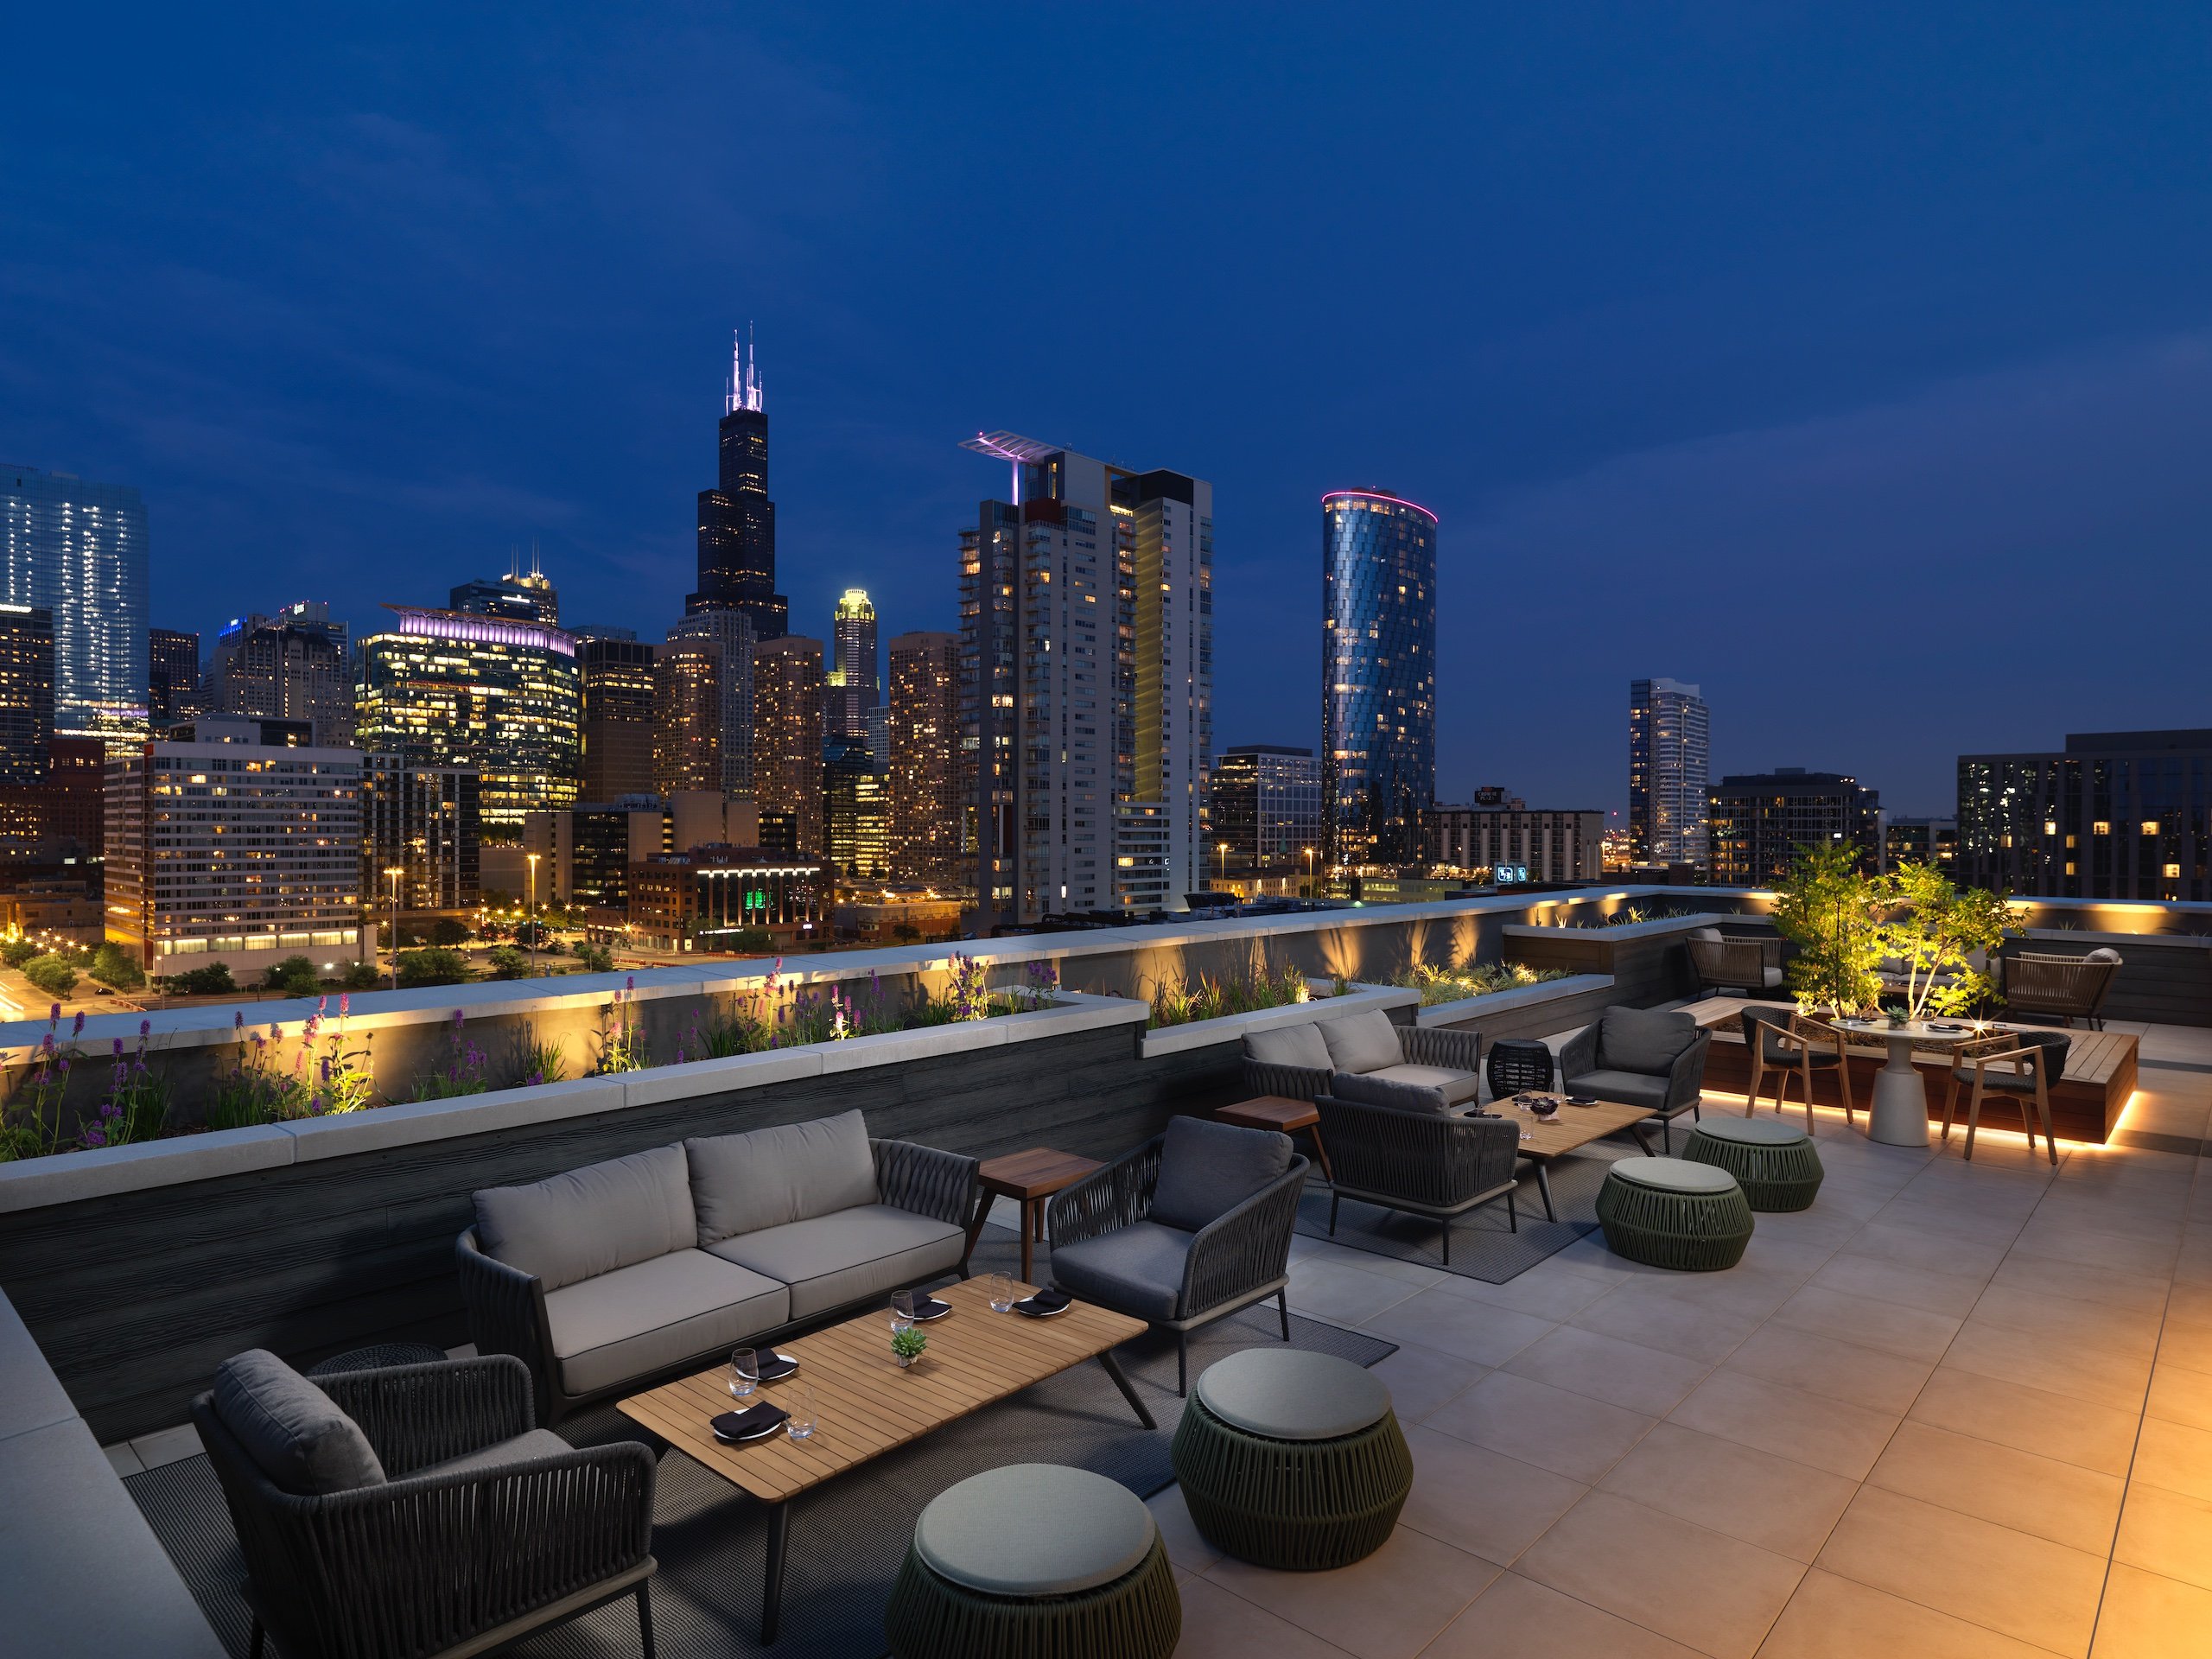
293, 976
213, 980
16, 952
507, 963
360, 976
51, 973
1831, 912
447, 930
1940, 927
596, 958
434, 965
113, 965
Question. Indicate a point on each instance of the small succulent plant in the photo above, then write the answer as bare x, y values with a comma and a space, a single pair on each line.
907, 1344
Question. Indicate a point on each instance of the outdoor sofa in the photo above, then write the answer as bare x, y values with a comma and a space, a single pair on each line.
1297, 1061
608, 1276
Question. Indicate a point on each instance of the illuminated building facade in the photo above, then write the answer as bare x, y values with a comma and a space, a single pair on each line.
614, 679
1267, 806
78, 549
425, 821
1907, 840
923, 745
1670, 755
737, 521
290, 666
787, 751
446, 688
1379, 676
729, 635
687, 735
1516, 843
1755, 822
173, 687
697, 900
856, 824
854, 684
26, 692
2114, 815
517, 596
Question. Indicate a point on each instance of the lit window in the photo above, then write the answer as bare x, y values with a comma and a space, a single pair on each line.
2173, 872
2050, 827
2102, 827
2150, 826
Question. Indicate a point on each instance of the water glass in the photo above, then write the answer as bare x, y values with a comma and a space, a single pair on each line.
799, 1405
1002, 1296
744, 1373
902, 1310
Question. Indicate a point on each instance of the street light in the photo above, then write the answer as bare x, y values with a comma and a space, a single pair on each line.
1221, 848
1308, 851
533, 858
392, 874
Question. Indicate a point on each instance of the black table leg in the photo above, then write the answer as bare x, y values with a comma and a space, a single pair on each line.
772, 1576
1113, 1370
1544, 1187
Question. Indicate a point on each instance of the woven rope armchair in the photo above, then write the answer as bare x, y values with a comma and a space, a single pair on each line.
1753, 965
1423, 1163
430, 1563
2071, 987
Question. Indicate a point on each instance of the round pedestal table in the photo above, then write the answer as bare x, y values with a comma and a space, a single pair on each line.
1899, 1116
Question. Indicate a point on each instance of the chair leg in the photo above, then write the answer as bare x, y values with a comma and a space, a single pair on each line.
1282, 1307
254, 1648
1666, 1135
645, 1618
1448, 1243
1512, 1215
1758, 1076
1973, 1116
1951, 1107
1335, 1198
2043, 1110
1183, 1364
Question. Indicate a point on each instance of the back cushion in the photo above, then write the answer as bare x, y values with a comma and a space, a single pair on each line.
1362, 1042
1381, 1091
1706, 935
1299, 1045
291, 1429
1643, 1040
2102, 953
768, 1178
1207, 1169
592, 1220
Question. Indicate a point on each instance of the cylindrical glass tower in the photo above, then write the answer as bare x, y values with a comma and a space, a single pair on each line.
1378, 676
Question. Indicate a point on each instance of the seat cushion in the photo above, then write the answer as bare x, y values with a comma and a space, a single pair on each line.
537, 1442
1207, 1169
655, 1315
1137, 1270
853, 1256
1294, 1394
1673, 1175
1375, 1089
1751, 1131
293, 1431
591, 1220
1628, 1088
772, 1177
1365, 1041
1647, 1041
1034, 1529
1299, 1045
1457, 1087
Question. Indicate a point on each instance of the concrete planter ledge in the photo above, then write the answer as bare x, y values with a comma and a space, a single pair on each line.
41, 1183
1231, 1028
1471, 1010
1658, 929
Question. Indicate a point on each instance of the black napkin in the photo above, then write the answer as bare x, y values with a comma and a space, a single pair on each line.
1044, 1302
777, 1367
743, 1425
931, 1308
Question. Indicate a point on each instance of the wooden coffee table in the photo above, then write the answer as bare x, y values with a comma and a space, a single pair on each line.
867, 1405
1028, 1178
1281, 1112
1575, 1128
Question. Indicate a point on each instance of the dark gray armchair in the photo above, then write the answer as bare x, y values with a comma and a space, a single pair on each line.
1191, 1226
1720, 964
1426, 1163
1640, 1057
416, 1512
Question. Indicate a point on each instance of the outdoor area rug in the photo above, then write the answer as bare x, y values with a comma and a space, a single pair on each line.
1481, 1245
847, 1536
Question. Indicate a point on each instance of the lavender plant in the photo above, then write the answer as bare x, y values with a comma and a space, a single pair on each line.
461, 1073
137, 1104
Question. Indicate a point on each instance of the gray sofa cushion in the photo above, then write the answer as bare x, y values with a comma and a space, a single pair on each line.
1457, 1087
591, 1220
853, 1256
2102, 953
1137, 1270
291, 1429
1707, 935
1299, 1046
1628, 1088
537, 1443
1399, 1096
1647, 1041
771, 1178
655, 1315
1207, 1169
1365, 1041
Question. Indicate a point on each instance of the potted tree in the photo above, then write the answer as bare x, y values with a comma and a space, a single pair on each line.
1832, 912
1938, 940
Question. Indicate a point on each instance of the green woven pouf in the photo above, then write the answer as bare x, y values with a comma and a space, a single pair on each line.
1778, 1166
1668, 1212
1291, 1459
1035, 1561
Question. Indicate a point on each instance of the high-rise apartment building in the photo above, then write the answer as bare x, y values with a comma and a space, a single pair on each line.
446, 688
737, 521
2114, 815
787, 749
853, 685
1378, 676
26, 692
586, 849
687, 732
614, 679
519, 596
1267, 807
1908, 840
293, 665
57, 818
730, 635
1517, 843
1086, 609
1755, 822
224, 847
425, 821
78, 550
173, 676
855, 818
922, 742
1669, 751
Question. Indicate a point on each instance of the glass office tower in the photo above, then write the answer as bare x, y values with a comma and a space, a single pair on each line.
1669, 751
1378, 676
78, 550
854, 686
737, 521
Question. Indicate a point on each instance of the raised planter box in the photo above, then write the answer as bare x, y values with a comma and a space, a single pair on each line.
1648, 962
1556, 1005
1233, 1028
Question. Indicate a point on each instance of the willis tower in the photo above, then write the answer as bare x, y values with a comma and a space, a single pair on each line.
737, 522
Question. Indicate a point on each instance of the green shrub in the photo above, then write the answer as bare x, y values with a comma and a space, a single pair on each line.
447, 930
293, 976
113, 965
16, 952
361, 976
507, 963
434, 965
596, 958
51, 973
213, 980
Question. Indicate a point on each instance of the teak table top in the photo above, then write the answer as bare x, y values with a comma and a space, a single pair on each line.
1576, 1127
1037, 1173
1271, 1112
866, 1405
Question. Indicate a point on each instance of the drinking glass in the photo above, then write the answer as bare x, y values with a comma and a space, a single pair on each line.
744, 1373
1002, 1296
800, 1406
902, 1310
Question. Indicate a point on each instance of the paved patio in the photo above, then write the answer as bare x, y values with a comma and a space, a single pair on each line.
1953, 1409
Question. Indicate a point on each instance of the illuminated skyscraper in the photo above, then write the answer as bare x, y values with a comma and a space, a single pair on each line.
1378, 676
787, 770
854, 687
615, 677
78, 550
926, 799
516, 596
290, 666
26, 692
737, 521
1670, 748
687, 746
173, 691
729, 634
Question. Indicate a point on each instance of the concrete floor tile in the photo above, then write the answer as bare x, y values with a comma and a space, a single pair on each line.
2176, 1457
1528, 1620
2085, 1247
1822, 1365
1910, 1332
1390, 1606
1329, 1290
1623, 1374
2186, 1345
123, 1459
2147, 1616
2181, 1395
2060, 1502
1831, 1618
1189, 1551
2028, 1420
2067, 1322
2166, 1533
1750, 1496
1452, 1325
1217, 1623
1419, 1275
1420, 1379
1636, 1312
2135, 1293
1570, 1434
1478, 1500
2021, 1356
1543, 1295
1916, 1247
1832, 1434
1922, 1287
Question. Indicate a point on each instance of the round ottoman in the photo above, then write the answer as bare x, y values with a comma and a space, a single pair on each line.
1778, 1166
1035, 1559
1292, 1460
1668, 1212
384, 1355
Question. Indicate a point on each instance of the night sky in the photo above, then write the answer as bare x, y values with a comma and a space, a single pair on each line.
1856, 364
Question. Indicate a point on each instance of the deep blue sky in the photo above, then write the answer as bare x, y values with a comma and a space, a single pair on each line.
1856, 364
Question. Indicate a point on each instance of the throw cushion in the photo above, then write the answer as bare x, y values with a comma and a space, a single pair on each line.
1207, 1169
1385, 1091
771, 1178
2102, 953
592, 1220
1366, 1041
292, 1430
1649, 1040
1709, 935
1299, 1046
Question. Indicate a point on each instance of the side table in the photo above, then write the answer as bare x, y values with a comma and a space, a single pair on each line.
1286, 1116
1028, 1178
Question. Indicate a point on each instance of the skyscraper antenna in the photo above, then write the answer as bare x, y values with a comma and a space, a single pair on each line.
744, 374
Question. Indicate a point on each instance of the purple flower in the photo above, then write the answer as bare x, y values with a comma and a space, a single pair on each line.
344, 1003
77, 1030
94, 1137
145, 1029
118, 1048
456, 1019
238, 1022
54, 1015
